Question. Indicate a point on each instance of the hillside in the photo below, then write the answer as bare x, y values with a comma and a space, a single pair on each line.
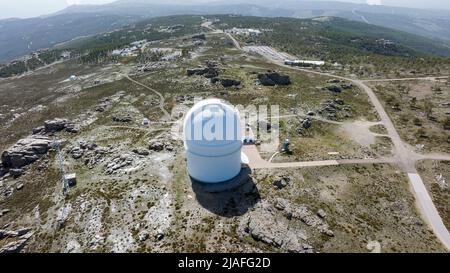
332, 37
119, 181
326, 38
22, 36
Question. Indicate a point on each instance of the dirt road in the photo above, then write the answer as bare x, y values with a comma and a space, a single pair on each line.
162, 102
405, 158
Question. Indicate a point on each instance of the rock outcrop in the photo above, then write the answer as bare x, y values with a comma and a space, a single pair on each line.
118, 163
143, 152
303, 214
274, 78
18, 239
55, 125
201, 36
122, 118
226, 82
281, 181
156, 146
263, 225
25, 151
334, 88
207, 72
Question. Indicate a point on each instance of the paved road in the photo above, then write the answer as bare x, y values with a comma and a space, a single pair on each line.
408, 79
257, 162
403, 157
433, 218
354, 11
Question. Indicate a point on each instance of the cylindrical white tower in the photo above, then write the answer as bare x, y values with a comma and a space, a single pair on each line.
213, 141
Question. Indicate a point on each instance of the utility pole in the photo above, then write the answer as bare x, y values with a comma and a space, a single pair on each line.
57, 146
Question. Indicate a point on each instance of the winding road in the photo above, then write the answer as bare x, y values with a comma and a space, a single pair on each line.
162, 102
403, 157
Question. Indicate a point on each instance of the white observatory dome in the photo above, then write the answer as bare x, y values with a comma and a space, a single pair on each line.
212, 138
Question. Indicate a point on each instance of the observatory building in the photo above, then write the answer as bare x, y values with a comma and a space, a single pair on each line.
212, 138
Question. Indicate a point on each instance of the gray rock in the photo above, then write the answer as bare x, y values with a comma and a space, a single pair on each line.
208, 72
332, 116
25, 151
143, 236
100, 108
23, 231
334, 81
77, 152
16, 172
118, 163
281, 182
292, 244
334, 88
302, 213
330, 108
201, 36
159, 236
168, 147
7, 234
307, 123
226, 82
55, 125
156, 146
263, 225
143, 152
274, 78
311, 113
347, 86
14, 247
281, 204
72, 128
321, 213
122, 118
38, 130
19, 187
3, 171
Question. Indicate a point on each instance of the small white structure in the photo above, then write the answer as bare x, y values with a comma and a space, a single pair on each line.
213, 141
145, 122
244, 31
304, 63
139, 44
73, 78
116, 52
71, 179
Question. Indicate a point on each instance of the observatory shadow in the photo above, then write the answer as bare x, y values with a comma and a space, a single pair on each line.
228, 199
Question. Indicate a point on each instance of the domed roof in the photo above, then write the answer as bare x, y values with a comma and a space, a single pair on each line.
212, 127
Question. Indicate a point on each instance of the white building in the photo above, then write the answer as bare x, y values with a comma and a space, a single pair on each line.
244, 31
116, 52
304, 63
139, 44
213, 141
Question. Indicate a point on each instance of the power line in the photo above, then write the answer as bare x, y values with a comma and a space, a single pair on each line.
57, 146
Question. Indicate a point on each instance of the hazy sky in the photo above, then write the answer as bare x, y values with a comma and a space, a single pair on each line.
31, 8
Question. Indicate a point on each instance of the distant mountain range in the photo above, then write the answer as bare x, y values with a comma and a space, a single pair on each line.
22, 36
